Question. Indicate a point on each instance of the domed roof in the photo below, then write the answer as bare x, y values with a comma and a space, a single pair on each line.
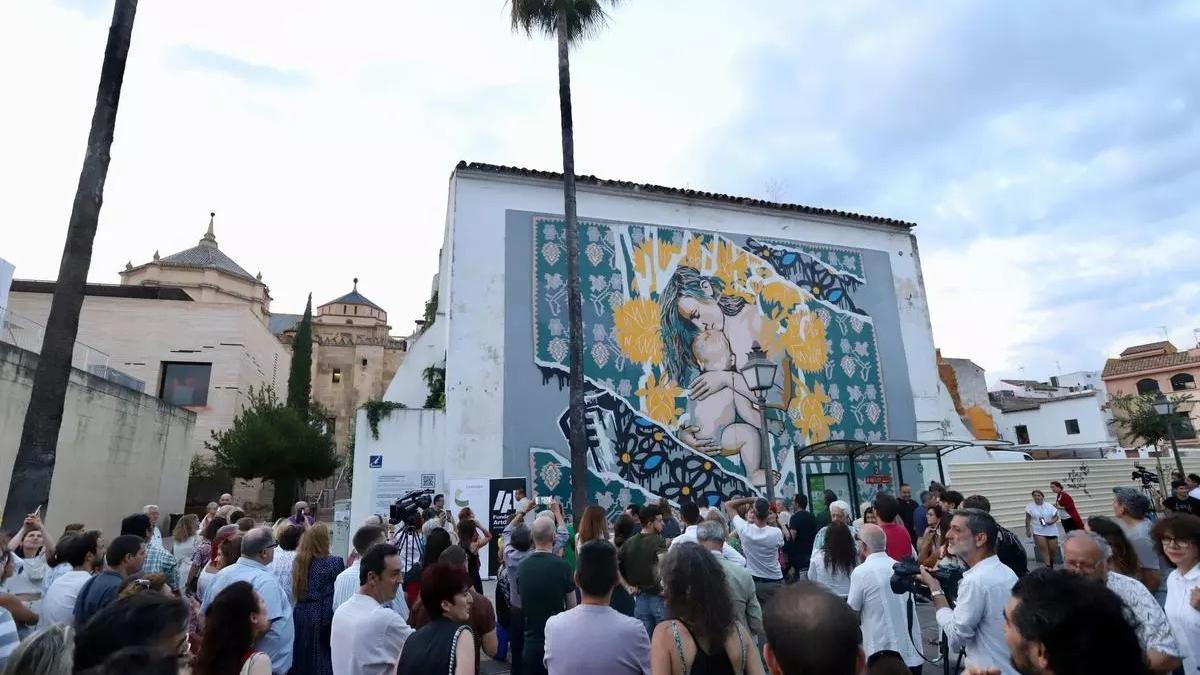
354, 298
206, 254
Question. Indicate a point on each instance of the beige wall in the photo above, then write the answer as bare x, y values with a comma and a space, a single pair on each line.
118, 450
139, 335
204, 285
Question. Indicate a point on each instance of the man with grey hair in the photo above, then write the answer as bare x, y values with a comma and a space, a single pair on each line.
711, 535
976, 623
546, 585
1130, 507
889, 621
839, 512
1086, 554
258, 549
152, 513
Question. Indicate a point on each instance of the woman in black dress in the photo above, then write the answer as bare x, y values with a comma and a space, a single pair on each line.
445, 644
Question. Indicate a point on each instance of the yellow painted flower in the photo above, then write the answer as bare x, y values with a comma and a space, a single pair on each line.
658, 399
807, 413
651, 260
783, 294
696, 252
638, 330
733, 264
804, 340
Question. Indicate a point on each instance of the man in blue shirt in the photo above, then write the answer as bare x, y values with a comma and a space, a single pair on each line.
125, 556
258, 549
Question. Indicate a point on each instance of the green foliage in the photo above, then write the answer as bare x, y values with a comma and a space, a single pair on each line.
431, 307
435, 379
203, 469
584, 17
274, 442
1135, 416
378, 410
300, 375
348, 465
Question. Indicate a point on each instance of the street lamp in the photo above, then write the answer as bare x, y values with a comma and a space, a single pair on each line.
759, 372
1165, 408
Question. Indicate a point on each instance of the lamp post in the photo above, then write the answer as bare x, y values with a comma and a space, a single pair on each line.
1165, 408
759, 372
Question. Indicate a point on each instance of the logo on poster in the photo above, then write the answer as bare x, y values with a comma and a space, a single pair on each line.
376, 462
506, 500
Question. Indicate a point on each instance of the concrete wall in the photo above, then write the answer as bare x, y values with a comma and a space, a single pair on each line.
6, 277
118, 449
1090, 481
1047, 424
139, 335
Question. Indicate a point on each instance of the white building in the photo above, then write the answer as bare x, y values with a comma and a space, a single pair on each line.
837, 300
1071, 423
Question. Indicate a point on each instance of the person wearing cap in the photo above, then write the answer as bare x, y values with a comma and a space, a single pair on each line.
1130, 508
761, 543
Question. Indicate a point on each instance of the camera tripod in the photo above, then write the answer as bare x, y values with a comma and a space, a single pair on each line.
409, 539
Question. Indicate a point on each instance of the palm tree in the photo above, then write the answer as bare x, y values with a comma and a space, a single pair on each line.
569, 21
33, 469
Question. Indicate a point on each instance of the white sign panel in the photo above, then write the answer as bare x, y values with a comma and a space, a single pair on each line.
390, 486
471, 493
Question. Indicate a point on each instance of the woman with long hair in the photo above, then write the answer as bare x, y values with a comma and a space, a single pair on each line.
202, 554
226, 549
933, 540
183, 543
1124, 559
1068, 515
313, 575
472, 537
832, 564
234, 622
701, 634
437, 541
1041, 523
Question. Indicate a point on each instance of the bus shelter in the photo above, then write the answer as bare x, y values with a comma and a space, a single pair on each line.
851, 452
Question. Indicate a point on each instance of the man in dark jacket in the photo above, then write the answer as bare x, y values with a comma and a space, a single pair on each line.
1009, 548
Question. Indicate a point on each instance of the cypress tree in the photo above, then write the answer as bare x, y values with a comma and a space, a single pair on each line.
300, 375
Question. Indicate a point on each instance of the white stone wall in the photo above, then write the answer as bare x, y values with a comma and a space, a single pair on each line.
139, 335
1047, 424
118, 450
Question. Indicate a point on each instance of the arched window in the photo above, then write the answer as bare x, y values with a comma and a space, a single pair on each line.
1147, 386
1181, 381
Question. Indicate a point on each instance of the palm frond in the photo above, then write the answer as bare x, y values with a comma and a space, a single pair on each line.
585, 18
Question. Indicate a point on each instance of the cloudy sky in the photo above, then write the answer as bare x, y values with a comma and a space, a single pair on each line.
1048, 151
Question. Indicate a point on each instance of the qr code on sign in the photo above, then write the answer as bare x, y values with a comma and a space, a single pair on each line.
429, 480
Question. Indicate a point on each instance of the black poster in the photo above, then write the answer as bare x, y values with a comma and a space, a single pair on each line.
502, 504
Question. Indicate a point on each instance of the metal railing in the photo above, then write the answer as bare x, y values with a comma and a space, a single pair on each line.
27, 334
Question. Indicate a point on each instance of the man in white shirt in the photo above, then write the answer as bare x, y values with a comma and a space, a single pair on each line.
1193, 483
85, 553
367, 637
1087, 554
152, 513
691, 519
976, 623
761, 544
889, 621
347, 582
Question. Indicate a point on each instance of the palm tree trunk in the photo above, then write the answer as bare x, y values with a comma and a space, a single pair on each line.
33, 469
578, 439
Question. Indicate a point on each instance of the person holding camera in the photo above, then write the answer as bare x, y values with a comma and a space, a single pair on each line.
889, 621
976, 623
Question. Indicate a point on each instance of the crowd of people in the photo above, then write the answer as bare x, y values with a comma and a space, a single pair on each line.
745, 587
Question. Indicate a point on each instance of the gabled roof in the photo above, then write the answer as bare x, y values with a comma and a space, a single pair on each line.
1150, 347
206, 254
681, 192
354, 298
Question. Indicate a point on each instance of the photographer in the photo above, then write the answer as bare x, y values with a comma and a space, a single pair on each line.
976, 623
889, 621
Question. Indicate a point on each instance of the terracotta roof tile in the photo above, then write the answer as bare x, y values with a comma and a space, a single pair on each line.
681, 192
1149, 347
1125, 366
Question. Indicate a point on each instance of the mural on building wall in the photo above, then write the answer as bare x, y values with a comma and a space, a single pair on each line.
669, 316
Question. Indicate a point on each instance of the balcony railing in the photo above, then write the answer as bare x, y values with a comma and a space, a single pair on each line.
23, 332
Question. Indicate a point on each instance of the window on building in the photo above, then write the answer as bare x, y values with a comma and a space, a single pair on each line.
356, 309
1072, 427
185, 383
1183, 427
331, 425
337, 375
1022, 434
364, 363
1182, 381
1147, 386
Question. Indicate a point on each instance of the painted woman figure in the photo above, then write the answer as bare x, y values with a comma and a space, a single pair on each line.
706, 336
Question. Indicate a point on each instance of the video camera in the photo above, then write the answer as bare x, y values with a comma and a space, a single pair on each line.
409, 506
905, 579
1140, 473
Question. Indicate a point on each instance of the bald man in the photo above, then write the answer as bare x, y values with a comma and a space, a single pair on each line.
885, 615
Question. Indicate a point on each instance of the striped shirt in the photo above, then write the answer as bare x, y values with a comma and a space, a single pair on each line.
8, 636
